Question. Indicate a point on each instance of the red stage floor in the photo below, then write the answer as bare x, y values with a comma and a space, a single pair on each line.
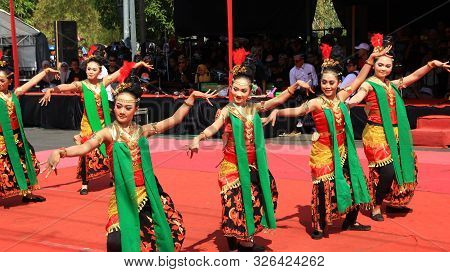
70, 222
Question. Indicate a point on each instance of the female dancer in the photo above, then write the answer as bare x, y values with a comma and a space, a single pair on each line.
142, 217
387, 137
339, 184
96, 114
248, 190
18, 163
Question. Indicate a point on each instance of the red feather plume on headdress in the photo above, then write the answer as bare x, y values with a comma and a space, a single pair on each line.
1, 54
377, 40
92, 50
326, 51
239, 56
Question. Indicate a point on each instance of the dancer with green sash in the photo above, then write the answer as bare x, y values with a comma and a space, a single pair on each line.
18, 164
339, 184
387, 137
141, 216
248, 190
96, 114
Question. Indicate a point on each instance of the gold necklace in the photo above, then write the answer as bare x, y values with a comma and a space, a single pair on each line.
5, 97
387, 87
331, 104
94, 88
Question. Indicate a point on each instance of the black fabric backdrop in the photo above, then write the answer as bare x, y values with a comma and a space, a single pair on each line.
65, 112
385, 16
209, 18
285, 17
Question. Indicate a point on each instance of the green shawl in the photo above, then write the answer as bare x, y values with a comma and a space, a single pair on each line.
91, 111
357, 178
268, 218
127, 205
402, 153
11, 146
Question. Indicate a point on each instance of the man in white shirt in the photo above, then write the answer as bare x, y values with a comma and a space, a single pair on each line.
303, 71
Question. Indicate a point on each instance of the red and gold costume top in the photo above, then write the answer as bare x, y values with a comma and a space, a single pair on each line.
131, 139
86, 130
321, 158
373, 108
376, 147
11, 110
228, 173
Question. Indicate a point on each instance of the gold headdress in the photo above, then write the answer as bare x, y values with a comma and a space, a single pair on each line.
120, 89
239, 56
328, 62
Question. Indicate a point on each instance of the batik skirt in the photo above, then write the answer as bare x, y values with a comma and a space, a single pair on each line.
8, 182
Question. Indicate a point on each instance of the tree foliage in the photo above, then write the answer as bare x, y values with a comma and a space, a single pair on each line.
81, 11
325, 16
159, 17
109, 13
23, 9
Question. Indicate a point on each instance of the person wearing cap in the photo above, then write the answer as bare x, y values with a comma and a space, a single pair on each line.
363, 54
352, 72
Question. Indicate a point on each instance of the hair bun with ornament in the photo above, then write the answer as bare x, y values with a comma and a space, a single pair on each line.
328, 62
131, 84
377, 42
243, 64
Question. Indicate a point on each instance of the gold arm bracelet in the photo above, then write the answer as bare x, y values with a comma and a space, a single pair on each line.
155, 129
204, 134
187, 104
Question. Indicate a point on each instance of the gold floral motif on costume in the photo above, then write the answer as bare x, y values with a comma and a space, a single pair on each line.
387, 87
9, 103
334, 107
131, 139
245, 114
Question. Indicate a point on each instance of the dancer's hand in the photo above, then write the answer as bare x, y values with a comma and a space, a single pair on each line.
272, 118
50, 71
143, 63
439, 64
305, 85
52, 162
383, 52
193, 147
206, 96
46, 98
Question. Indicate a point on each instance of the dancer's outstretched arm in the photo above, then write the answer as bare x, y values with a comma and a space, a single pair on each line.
343, 95
77, 150
421, 72
301, 110
209, 131
178, 116
33, 81
74, 87
285, 95
114, 76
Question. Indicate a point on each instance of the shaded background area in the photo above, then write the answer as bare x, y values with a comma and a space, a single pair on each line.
283, 17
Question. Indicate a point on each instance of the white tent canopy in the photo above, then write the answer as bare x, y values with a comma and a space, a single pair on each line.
26, 40
22, 28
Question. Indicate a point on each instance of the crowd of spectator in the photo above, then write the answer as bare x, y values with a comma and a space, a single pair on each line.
182, 64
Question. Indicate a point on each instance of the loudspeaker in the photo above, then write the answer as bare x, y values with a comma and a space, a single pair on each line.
66, 41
